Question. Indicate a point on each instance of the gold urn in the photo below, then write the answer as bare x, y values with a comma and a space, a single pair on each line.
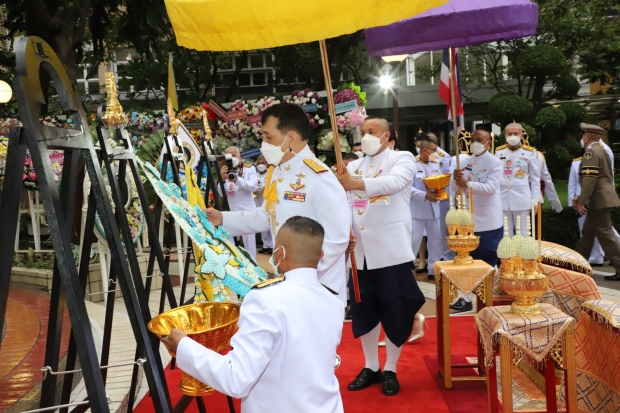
438, 184
463, 245
526, 291
210, 324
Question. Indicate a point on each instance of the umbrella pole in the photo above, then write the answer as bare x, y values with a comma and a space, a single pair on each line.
339, 163
453, 109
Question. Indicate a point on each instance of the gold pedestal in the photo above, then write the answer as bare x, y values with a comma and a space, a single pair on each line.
438, 184
210, 324
525, 291
463, 245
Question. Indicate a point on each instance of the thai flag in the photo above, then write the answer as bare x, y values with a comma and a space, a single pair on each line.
444, 88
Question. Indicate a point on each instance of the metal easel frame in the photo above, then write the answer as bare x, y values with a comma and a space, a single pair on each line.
33, 56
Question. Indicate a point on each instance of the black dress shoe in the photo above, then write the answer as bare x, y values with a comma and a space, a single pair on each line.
597, 265
431, 276
615, 277
263, 250
365, 379
390, 383
347, 313
421, 270
462, 306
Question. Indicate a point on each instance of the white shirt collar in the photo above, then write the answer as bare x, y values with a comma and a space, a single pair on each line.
302, 274
380, 157
303, 154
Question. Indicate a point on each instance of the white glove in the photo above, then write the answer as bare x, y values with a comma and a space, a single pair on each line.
557, 205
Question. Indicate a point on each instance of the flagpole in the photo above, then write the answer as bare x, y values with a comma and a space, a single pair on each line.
453, 109
332, 117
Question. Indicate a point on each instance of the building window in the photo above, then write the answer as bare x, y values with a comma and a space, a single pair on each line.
87, 80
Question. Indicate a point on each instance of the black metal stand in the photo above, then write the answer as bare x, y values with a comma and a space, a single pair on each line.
33, 55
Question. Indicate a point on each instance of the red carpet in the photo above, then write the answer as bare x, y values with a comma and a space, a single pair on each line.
420, 390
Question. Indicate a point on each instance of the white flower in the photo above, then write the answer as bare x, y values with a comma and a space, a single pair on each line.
321, 121
316, 117
313, 100
309, 94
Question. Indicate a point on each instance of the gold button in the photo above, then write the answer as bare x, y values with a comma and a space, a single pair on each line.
509, 187
361, 228
360, 212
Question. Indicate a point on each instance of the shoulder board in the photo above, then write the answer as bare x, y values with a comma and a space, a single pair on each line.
528, 148
501, 147
577, 159
441, 154
417, 158
329, 289
315, 166
247, 165
268, 283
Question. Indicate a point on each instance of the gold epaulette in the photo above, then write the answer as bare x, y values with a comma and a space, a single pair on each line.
247, 165
315, 166
499, 148
577, 159
441, 154
417, 158
528, 148
269, 282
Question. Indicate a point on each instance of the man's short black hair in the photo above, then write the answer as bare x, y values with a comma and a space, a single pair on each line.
290, 118
304, 226
356, 144
350, 157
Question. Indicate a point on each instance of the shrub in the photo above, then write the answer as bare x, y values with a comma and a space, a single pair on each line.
561, 228
575, 114
504, 109
573, 147
550, 118
566, 87
542, 60
558, 158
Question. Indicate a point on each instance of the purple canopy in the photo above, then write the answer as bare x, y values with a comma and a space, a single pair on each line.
457, 23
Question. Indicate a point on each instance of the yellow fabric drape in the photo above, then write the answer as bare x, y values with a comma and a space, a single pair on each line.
229, 25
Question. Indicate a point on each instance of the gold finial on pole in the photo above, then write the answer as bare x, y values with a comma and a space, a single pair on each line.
172, 120
205, 122
113, 116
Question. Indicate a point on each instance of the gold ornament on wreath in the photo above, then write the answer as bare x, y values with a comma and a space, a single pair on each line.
460, 223
520, 272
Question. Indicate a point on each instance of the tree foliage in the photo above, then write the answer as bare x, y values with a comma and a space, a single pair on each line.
506, 108
550, 118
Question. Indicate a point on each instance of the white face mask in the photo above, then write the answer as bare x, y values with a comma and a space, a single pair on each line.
582, 142
433, 157
371, 144
235, 161
359, 154
276, 271
273, 154
261, 168
477, 148
513, 140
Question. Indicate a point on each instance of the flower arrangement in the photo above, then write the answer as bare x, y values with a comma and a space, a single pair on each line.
348, 92
308, 97
257, 108
146, 121
351, 120
326, 142
238, 128
5, 125
190, 114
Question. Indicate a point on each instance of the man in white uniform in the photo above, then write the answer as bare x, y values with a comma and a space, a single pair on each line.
520, 180
284, 352
297, 184
445, 160
424, 205
547, 188
482, 172
240, 192
381, 184
261, 168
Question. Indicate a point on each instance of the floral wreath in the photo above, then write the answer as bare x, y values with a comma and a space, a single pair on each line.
229, 266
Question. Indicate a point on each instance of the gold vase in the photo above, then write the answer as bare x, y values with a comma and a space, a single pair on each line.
525, 291
210, 324
438, 184
463, 245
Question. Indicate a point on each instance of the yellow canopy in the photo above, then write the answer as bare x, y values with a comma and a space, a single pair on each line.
229, 25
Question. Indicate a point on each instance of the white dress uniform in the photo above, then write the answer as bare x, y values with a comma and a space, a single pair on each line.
241, 198
597, 256
519, 183
266, 236
307, 188
426, 214
382, 226
444, 206
381, 213
283, 353
545, 176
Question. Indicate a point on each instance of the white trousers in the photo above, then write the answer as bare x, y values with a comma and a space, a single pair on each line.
447, 254
433, 240
512, 221
597, 255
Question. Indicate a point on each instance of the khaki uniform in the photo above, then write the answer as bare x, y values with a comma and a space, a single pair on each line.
599, 196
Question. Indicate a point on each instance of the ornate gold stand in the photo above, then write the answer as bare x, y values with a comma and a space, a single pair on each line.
525, 291
446, 293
